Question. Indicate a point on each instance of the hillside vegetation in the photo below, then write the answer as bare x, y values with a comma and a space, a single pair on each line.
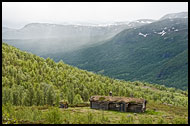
153, 53
29, 80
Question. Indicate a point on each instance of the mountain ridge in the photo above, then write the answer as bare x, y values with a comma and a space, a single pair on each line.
166, 31
167, 40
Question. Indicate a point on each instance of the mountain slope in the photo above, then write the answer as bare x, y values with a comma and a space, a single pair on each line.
25, 75
44, 38
29, 82
175, 15
149, 53
31, 85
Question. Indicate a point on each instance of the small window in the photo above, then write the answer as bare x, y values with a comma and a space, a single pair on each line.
117, 106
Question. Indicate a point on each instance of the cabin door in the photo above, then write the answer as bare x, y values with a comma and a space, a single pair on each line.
122, 109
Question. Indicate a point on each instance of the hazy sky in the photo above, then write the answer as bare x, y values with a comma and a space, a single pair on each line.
18, 14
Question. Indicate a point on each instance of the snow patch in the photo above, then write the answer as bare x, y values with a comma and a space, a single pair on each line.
165, 37
162, 33
148, 22
176, 30
144, 35
144, 22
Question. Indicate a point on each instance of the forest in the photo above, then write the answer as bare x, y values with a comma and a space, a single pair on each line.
31, 83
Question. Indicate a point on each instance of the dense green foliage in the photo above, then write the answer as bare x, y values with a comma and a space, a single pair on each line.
31, 84
157, 58
30, 80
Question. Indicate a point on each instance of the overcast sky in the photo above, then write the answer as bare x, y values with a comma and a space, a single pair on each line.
18, 14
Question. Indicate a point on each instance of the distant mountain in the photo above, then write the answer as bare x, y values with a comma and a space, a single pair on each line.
175, 15
43, 38
45, 30
136, 23
155, 53
6, 29
145, 50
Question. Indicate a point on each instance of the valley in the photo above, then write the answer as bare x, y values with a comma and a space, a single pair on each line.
153, 51
94, 63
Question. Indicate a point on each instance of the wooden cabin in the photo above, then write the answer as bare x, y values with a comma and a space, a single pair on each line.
63, 104
123, 104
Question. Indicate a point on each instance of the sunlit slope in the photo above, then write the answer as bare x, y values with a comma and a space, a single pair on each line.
30, 80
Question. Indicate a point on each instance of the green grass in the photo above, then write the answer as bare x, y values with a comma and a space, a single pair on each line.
85, 115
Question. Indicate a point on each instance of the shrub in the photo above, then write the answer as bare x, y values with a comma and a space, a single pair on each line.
54, 116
